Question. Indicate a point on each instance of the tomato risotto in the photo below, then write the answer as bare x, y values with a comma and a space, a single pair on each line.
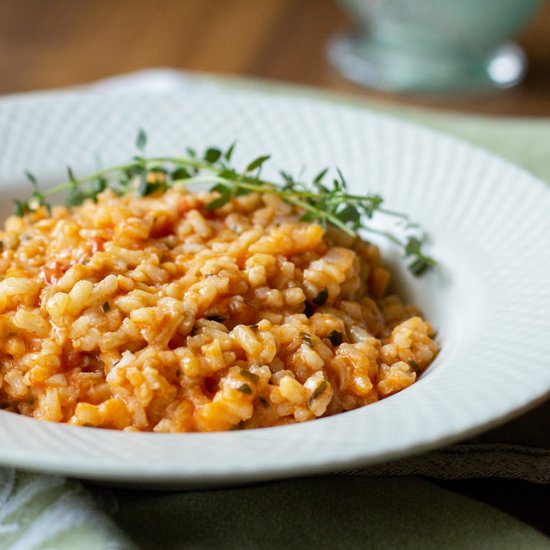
158, 314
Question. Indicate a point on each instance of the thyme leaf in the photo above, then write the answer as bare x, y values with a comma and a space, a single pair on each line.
215, 318
321, 387
249, 375
321, 298
336, 338
306, 338
415, 366
141, 140
35, 201
212, 155
245, 388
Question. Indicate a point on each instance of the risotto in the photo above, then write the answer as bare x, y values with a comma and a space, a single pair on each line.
157, 314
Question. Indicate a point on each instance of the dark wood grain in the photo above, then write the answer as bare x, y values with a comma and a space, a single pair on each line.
57, 43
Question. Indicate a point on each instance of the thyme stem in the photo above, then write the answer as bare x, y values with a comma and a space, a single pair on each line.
320, 202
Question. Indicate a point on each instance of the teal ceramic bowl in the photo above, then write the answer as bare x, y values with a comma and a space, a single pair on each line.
433, 45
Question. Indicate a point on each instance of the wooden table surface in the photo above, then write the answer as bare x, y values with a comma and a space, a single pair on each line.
56, 43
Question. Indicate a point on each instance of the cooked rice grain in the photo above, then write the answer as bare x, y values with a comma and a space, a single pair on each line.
157, 314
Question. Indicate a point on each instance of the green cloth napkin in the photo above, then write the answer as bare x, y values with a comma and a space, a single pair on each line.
322, 512
338, 511
326, 512
50, 512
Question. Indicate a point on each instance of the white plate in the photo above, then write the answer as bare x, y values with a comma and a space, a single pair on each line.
489, 298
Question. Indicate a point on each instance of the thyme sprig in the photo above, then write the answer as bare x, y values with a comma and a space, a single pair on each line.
326, 200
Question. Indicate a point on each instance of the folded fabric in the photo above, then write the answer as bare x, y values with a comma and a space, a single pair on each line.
52, 512
44, 512
322, 512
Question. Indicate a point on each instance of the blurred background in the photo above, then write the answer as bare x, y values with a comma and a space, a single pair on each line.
59, 43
